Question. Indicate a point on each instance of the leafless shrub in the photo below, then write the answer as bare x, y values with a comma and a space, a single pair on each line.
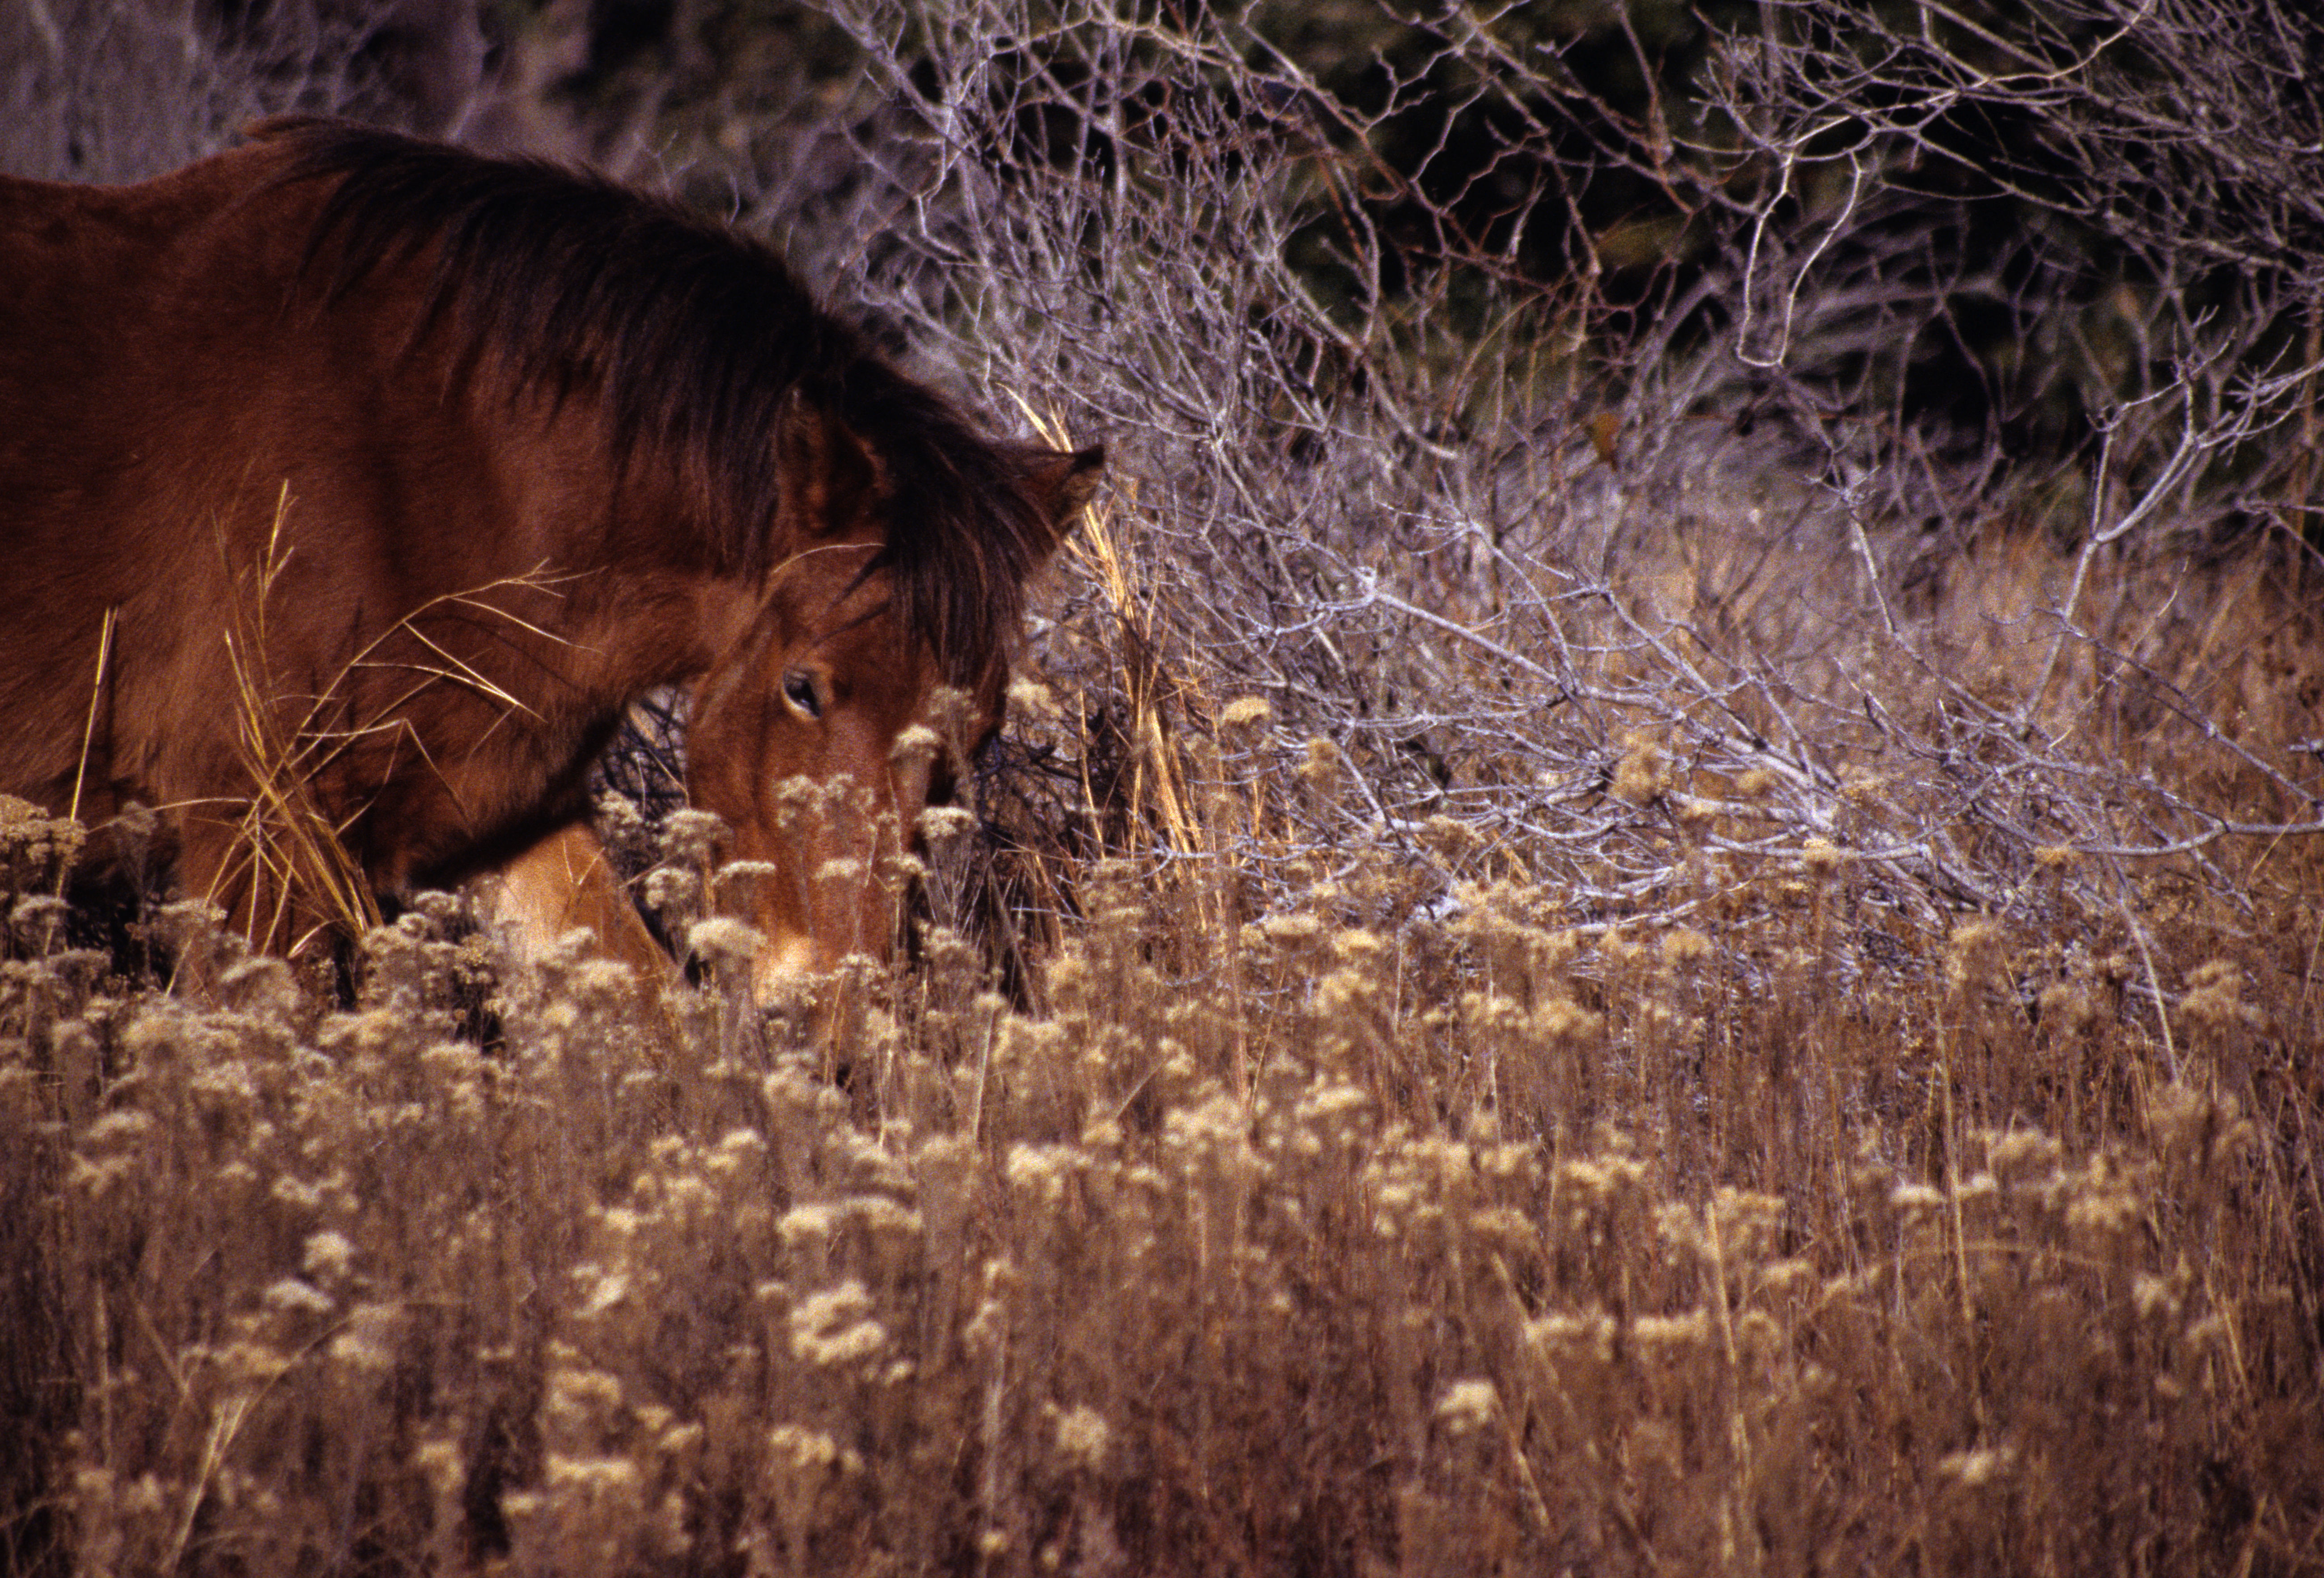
1619, 572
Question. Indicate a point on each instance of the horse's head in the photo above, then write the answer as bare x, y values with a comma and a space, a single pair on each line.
839, 715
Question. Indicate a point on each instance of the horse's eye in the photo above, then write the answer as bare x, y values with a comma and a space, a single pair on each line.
798, 690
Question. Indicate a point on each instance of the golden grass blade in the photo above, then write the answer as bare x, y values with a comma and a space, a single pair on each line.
95, 698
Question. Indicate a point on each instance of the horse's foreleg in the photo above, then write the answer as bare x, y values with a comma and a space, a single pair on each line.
562, 884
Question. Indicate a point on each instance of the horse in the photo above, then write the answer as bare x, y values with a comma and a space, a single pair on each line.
354, 485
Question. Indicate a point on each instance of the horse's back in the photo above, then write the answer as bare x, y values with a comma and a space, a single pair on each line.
120, 305
92, 271
127, 317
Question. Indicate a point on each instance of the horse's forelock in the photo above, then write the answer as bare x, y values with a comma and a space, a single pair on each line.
965, 533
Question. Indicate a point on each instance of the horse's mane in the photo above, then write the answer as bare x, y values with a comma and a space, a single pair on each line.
693, 337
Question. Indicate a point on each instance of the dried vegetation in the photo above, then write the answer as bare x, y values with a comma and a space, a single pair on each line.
1591, 950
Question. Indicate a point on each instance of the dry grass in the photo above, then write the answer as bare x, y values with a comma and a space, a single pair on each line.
1413, 1223
290, 881
1565, 984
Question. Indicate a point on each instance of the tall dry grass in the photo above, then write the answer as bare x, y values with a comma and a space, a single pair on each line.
1380, 1230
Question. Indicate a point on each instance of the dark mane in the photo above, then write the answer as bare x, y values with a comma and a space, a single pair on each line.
693, 337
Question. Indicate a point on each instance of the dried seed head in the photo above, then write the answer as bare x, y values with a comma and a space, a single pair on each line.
940, 825
723, 942
1468, 1405
1081, 1437
1821, 856
915, 747
1245, 713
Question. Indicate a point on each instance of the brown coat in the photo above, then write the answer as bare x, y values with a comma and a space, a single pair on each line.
385, 476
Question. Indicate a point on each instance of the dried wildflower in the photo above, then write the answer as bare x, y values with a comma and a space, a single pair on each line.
253, 1364
289, 1292
1506, 1160
1684, 946
2211, 1333
1643, 773
1031, 698
2066, 1009
1678, 1226
1570, 1337
1656, 1333
737, 1150
1450, 838
724, 943
1559, 1019
439, 1462
1917, 1199
1507, 1230
2023, 1152
848, 870
579, 1397
1082, 1436
367, 1339
1290, 931
1349, 1001
1822, 857
594, 1493
99, 1178
1586, 1177
939, 825
1246, 713
691, 837
2217, 996
296, 1193
793, 1447
2101, 1204
1969, 952
670, 888
1468, 1405
607, 1290
884, 1218
915, 746
1981, 1466
453, 1062
1759, 1335
832, 1328
327, 1256
2155, 1297
1323, 763
122, 1128
1041, 1169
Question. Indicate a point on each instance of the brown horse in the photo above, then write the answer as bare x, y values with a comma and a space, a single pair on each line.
352, 487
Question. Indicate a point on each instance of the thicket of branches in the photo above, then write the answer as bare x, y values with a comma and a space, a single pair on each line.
1572, 420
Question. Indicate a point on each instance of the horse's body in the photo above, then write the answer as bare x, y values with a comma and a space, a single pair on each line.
354, 482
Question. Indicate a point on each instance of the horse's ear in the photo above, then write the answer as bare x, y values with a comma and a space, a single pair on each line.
1062, 482
828, 473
